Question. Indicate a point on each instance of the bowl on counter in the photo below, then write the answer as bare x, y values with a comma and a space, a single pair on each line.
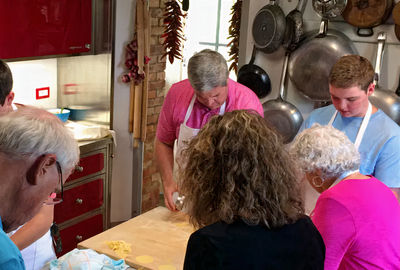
63, 114
78, 112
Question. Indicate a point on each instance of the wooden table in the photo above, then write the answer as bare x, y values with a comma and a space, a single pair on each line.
158, 235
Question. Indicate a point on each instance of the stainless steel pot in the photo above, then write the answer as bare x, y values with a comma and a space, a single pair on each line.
329, 8
311, 63
384, 99
282, 115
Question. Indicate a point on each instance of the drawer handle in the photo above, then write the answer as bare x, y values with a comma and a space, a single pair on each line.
78, 168
79, 201
79, 238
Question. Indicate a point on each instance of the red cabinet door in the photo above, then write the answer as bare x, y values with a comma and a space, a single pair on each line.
88, 165
79, 200
31, 28
83, 230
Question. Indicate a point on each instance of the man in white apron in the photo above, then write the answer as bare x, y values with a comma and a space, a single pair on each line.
189, 105
376, 136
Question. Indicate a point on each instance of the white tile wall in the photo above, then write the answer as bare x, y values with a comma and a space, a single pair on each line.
29, 75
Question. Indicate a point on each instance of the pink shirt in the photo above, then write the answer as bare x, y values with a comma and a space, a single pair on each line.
359, 220
177, 102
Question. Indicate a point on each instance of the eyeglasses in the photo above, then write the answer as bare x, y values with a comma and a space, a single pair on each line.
53, 198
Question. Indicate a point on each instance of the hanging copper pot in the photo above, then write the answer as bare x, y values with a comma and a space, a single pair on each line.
366, 14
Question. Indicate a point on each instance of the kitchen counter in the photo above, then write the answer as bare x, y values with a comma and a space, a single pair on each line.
83, 145
87, 131
158, 239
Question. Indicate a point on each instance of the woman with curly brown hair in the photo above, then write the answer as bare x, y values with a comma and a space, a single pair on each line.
242, 192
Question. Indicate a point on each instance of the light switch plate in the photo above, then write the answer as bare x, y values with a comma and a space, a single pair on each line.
42, 93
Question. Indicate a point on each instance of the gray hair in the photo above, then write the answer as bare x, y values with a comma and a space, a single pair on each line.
326, 149
207, 69
32, 132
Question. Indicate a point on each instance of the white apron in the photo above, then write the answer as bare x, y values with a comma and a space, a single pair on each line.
311, 195
186, 134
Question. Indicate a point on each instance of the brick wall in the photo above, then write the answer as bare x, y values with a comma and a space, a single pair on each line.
151, 177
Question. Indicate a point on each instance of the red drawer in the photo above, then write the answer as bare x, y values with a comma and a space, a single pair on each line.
79, 200
88, 165
83, 230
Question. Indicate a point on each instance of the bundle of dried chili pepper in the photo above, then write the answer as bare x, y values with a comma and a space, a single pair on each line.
131, 63
173, 33
234, 33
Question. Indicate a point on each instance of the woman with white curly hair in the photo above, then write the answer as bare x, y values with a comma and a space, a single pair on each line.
357, 215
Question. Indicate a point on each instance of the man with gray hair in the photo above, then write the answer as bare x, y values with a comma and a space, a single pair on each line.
189, 105
37, 154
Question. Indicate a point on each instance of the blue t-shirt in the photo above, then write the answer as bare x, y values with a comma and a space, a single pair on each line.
379, 148
10, 256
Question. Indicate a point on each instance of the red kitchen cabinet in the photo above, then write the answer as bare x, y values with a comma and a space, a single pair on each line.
88, 165
83, 230
79, 200
85, 210
31, 28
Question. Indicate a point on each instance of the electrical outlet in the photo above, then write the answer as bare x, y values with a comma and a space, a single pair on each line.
43, 92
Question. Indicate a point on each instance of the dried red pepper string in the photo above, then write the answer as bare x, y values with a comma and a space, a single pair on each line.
131, 63
173, 33
234, 33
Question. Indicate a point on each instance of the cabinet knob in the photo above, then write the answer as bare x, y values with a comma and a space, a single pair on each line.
78, 238
79, 201
78, 168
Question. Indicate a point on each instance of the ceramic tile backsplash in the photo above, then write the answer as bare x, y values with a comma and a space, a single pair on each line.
30, 75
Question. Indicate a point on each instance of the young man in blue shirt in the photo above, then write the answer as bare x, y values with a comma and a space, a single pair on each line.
350, 85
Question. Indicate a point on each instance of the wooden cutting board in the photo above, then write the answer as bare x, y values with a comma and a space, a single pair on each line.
159, 235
